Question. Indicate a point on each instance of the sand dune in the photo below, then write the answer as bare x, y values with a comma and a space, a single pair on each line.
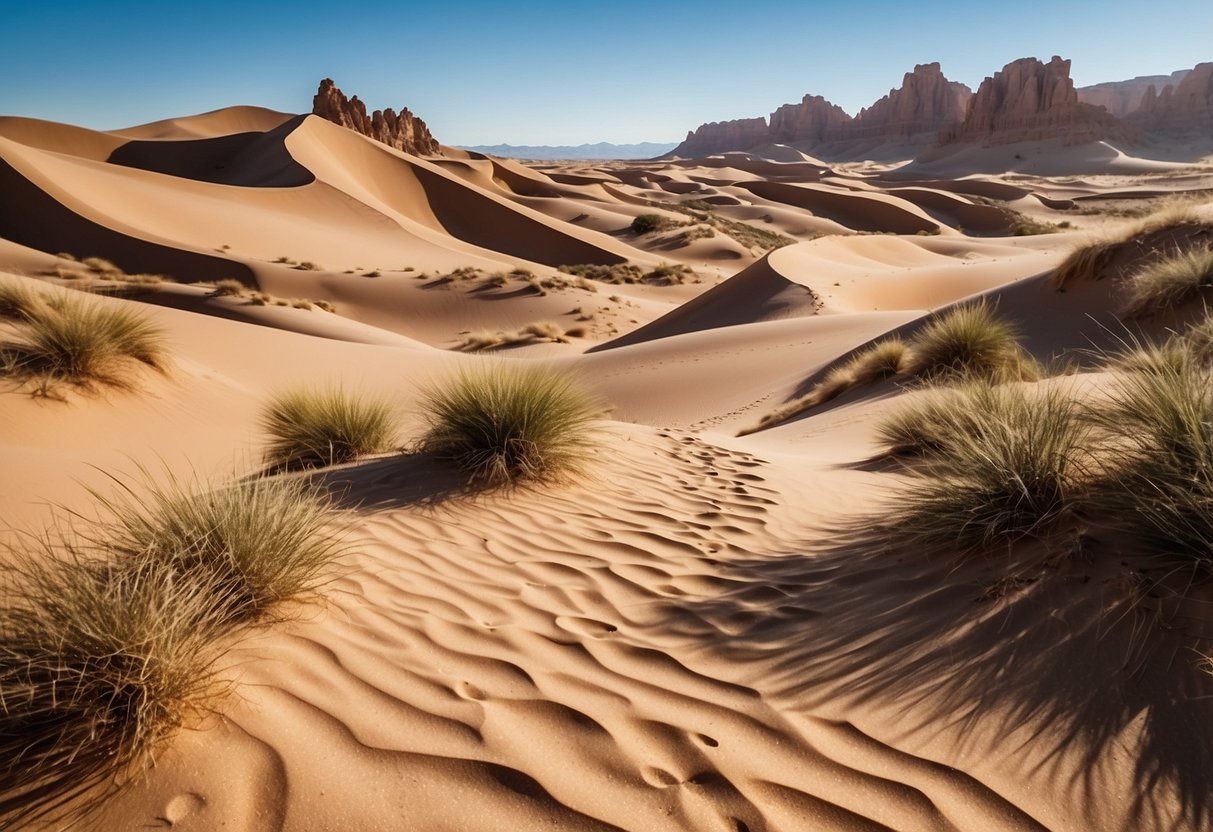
705, 631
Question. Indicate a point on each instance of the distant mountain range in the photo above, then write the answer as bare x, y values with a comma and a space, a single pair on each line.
601, 150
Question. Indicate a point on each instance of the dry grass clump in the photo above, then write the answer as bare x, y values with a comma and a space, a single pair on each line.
313, 428
964, 343
536, 332
616, 274
505, 424
967, 341
107, 632
229, 287
83, 342
98, 664
309, 266
1144, 239
1169, 282
1010, 461
1158, 474
649, 223
19, 301
99, 265
1024, 226
698, 232
256, 543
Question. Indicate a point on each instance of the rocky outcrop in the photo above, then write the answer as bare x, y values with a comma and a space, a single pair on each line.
813, 120
723, 136
403, 131
1120, 98
925, 104
1183, 109
1032, 101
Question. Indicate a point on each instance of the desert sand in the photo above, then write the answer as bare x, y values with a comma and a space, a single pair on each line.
702, 632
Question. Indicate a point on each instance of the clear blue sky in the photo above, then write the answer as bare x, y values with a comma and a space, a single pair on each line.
554, 72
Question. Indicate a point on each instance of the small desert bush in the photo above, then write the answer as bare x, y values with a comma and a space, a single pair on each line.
308, 266
648, 223
311, 428
504, 423
967, 341
1169, 282
618, 273
228, 287
82, 342
1014, 465
698, 232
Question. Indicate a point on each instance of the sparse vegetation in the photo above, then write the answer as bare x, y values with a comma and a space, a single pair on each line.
19, 301
107, 634
228, 288
1011, 461
964, 343
967, 341
531, 333
649, 223
1169, 282
697, 232
313, 428
83, 342
309, 266
502, 424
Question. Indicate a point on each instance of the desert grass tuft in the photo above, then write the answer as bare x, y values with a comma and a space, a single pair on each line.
99, 662
83, 342
228, 287
108, 631
967, 341
1157, 476
312, 428
19, 301
254, 544
1169, 282
503, 424
1013, 466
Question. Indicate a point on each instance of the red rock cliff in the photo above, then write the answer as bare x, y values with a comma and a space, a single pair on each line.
404, 131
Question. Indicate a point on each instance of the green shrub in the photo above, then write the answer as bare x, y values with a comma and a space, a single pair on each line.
506, 423
311, 428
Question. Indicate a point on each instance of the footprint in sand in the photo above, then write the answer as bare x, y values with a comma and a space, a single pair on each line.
182, 806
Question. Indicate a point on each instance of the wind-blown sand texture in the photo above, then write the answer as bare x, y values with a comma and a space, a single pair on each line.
704, 632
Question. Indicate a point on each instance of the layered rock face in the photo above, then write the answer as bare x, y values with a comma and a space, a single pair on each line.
925, 104
1032, 101
1180, 109
724, 136
404, 131
814, 119
1120, 98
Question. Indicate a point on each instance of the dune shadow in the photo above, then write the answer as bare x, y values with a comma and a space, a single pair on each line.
411, 479
1072, 662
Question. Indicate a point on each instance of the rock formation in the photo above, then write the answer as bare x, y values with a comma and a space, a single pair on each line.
404, 131
813, 120
925, 104
1179, 109
1032, 101
1120, 98
723, 136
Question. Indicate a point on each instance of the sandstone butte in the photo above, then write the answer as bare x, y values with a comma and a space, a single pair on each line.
1028, 100
403, 131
